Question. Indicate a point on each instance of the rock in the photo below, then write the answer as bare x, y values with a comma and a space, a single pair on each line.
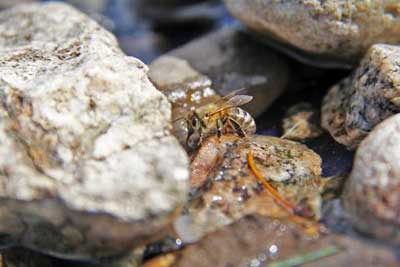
341, 29
224, 189
355, 105
372, 193
256, 240
301, 122
233, 60
88, 166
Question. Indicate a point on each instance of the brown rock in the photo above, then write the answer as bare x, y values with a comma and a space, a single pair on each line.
226, 189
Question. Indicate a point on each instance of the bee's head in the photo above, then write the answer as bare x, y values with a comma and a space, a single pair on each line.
194, 126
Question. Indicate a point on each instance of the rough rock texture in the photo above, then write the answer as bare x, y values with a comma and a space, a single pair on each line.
88, 168
355, 105
372, 194
342, 29
225, 189
233, 60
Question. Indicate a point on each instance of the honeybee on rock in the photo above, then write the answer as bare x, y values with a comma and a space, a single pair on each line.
223, 116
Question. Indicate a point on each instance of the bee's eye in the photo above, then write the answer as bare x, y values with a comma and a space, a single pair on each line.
195, 122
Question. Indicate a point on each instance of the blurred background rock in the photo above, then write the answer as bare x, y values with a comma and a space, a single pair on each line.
148, 28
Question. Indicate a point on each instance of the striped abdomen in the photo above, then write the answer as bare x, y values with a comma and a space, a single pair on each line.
242, 118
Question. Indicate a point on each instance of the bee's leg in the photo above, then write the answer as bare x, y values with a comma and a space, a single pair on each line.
201, 136
235, 125
220, 126
190, 131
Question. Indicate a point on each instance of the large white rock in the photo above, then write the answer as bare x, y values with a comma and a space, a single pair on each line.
88, 166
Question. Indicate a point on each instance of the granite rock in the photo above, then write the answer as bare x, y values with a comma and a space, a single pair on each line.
371, 94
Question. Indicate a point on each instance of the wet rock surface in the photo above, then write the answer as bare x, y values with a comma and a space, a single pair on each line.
233, 60
371, 94
225, 189
339, 29
372, 193
88, 167
257, 240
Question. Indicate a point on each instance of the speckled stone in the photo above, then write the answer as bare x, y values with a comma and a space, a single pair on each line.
342, 29
88, 167
371, 94
372, 194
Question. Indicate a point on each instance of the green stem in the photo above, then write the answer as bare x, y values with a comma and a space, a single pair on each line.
308, 257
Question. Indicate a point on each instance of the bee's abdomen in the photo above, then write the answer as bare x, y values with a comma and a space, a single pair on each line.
244, 119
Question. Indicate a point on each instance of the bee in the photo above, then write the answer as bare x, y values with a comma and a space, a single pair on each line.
223, 116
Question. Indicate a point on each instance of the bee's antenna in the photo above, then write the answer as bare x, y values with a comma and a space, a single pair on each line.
178, 119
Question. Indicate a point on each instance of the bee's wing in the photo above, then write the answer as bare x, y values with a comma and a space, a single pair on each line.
237, 101
224, 98
234, 101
